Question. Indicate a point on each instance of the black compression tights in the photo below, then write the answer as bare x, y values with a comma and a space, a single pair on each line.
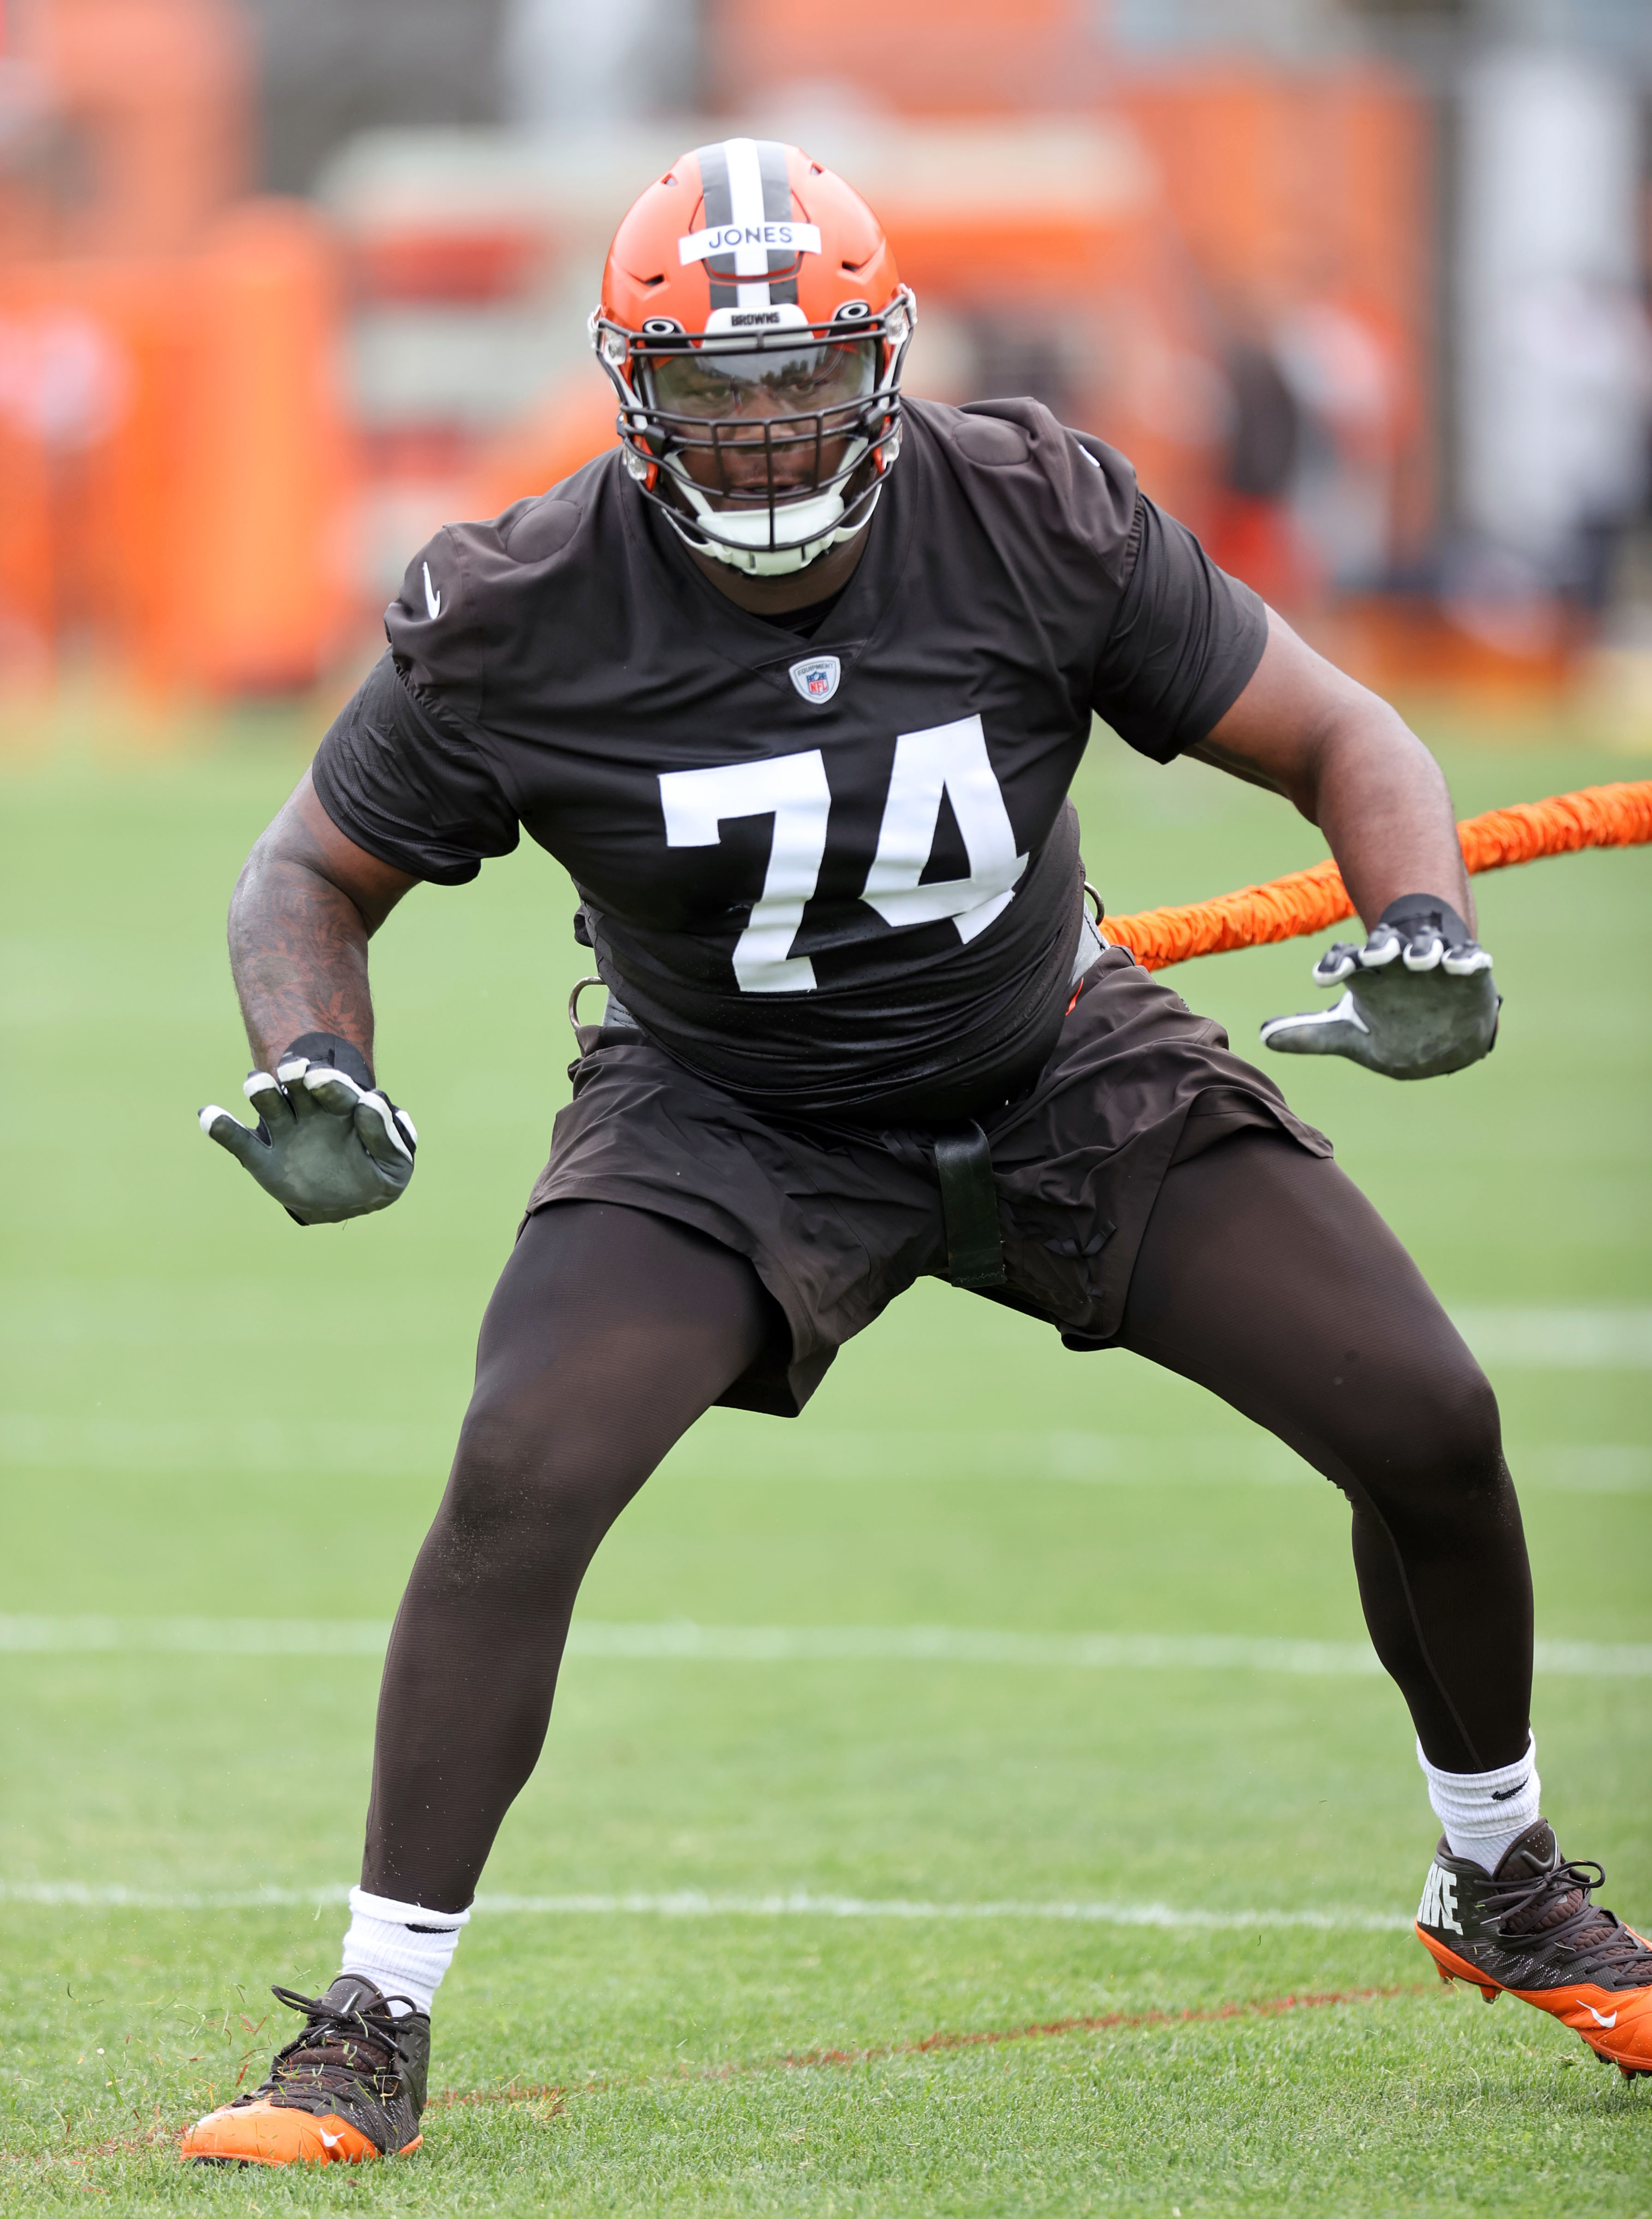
1268, 1277
1264, 1275
609, 1332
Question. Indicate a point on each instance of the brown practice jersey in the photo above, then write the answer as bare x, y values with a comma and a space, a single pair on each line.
837, 872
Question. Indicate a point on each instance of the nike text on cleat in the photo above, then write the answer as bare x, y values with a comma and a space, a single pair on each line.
349, 2088
1531, 1930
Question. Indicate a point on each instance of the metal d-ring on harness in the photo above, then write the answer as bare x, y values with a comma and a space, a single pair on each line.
582, 1031
616, 1018
580, 986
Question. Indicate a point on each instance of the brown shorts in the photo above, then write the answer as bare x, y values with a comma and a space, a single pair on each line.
838, 1222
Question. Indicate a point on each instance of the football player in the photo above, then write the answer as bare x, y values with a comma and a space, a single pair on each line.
794, 683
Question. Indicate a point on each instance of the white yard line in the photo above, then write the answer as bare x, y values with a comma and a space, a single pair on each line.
197, 1637
692, 1903
680, 1641
1604, 1340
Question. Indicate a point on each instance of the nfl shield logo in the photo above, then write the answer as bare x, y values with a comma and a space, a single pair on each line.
817, 680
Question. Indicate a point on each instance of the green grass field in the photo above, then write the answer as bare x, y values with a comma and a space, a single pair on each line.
209, 1416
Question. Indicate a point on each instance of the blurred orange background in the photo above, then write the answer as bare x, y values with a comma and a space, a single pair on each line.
1259, 262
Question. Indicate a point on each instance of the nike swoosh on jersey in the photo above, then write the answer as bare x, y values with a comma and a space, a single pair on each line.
432, 594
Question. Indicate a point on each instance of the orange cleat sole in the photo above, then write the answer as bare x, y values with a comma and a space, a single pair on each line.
1616, 2027
271, 2134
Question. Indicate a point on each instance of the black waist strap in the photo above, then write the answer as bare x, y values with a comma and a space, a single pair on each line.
969, 1206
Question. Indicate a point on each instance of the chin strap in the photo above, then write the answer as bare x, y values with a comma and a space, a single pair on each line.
742, 540
723, 533
775, 562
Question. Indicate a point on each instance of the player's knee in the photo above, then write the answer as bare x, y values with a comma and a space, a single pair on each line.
525, 1468
1441, 1428
1464, 1422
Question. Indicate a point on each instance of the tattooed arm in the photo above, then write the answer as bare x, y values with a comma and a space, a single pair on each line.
304, 908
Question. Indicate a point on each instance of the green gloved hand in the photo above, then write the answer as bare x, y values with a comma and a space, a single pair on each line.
1419, 1000
327, 1146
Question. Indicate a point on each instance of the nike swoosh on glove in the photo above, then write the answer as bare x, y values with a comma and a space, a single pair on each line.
327, 1146
1419, 999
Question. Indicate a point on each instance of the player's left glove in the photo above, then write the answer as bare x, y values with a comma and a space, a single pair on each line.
1417, 1002
329, 1144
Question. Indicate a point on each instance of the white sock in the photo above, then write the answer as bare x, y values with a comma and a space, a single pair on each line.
401, 1949
1484, 1812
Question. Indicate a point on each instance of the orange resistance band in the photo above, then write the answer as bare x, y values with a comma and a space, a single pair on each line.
1309, 901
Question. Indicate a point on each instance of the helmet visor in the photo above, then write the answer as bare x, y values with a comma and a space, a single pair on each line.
812, 378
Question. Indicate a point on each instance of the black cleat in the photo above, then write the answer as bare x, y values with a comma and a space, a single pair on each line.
1530, 1928
349, 2088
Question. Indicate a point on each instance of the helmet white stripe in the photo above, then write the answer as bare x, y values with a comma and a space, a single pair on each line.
746, 210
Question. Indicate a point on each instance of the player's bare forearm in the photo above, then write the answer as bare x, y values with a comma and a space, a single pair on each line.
306, 904
1353, 767
298, 950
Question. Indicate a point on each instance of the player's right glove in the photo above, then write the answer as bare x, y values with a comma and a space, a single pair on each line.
329, 1144
1419, 999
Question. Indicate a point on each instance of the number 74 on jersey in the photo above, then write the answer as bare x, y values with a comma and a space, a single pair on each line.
949, 760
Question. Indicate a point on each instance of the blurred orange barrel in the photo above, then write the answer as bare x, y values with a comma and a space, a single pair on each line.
175, 467
91, 358
257, 524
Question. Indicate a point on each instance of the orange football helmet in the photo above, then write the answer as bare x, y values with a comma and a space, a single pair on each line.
753, 325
